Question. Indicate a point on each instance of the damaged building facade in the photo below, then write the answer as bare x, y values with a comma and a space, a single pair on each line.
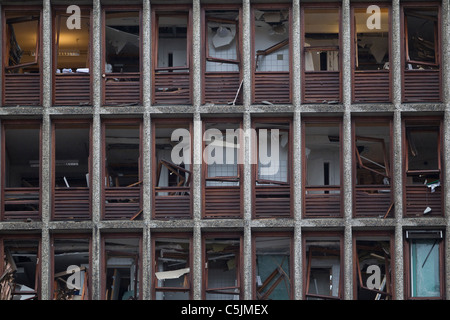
96, 94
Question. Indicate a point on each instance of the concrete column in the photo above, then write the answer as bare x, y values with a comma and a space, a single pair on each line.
47, 39
297, 57
196, 54
445, 139
346, 166
246, 53
297, 273
247, 204
395, 63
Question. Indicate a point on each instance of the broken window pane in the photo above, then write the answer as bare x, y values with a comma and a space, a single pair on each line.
221, 153
222, 268
222, 40
423, 148
273, 268
72, 45
22, 41
172, 269
374, 269
421, 27
372, 49
372, 153
172, 42
321, 27
20, 273
323, 269
21, 170
122, 42
122, 268
72, 144
425, 269
71, 268
272, 40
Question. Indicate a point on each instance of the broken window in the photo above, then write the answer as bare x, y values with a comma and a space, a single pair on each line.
22, 57
272, 181
20, 269
422, 154
271, 40
273, 258
21, 167
222, 168
22, 41
372, 39
122, 267
71, 169
222, 40
172, 262
323, 273
372, 158
172, 169
422, 38
373, 266
72, 58
122, 57
222, 268
322, 154
172, 57
71, 268
122, 171
321, 39
425, 269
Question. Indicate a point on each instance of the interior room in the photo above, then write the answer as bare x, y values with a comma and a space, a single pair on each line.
373, 251
222, 268
69, 255
323, 278
271, 42
122, 155
321, 39
72, 145
172, 268
22, 45
372, 50
172, 42
122, 268
122, 41
273, 268
322, 151
20, 270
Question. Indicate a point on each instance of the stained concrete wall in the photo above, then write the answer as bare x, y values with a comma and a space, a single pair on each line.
196, 111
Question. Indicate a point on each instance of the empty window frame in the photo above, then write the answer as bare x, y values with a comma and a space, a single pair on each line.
321, 54
122, 265
71, 262
172, 168
323, 277
372, 167
72, 56
373, 265
172, 51
271, 47
21, 170
322, 166
222, 169
20, 268
272, 275
22, 58
222, 53
222, 272
422, 164
371, 52
172, 262
122, 171
424, 251
421, 53
272, 170
122, 56
71, 168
